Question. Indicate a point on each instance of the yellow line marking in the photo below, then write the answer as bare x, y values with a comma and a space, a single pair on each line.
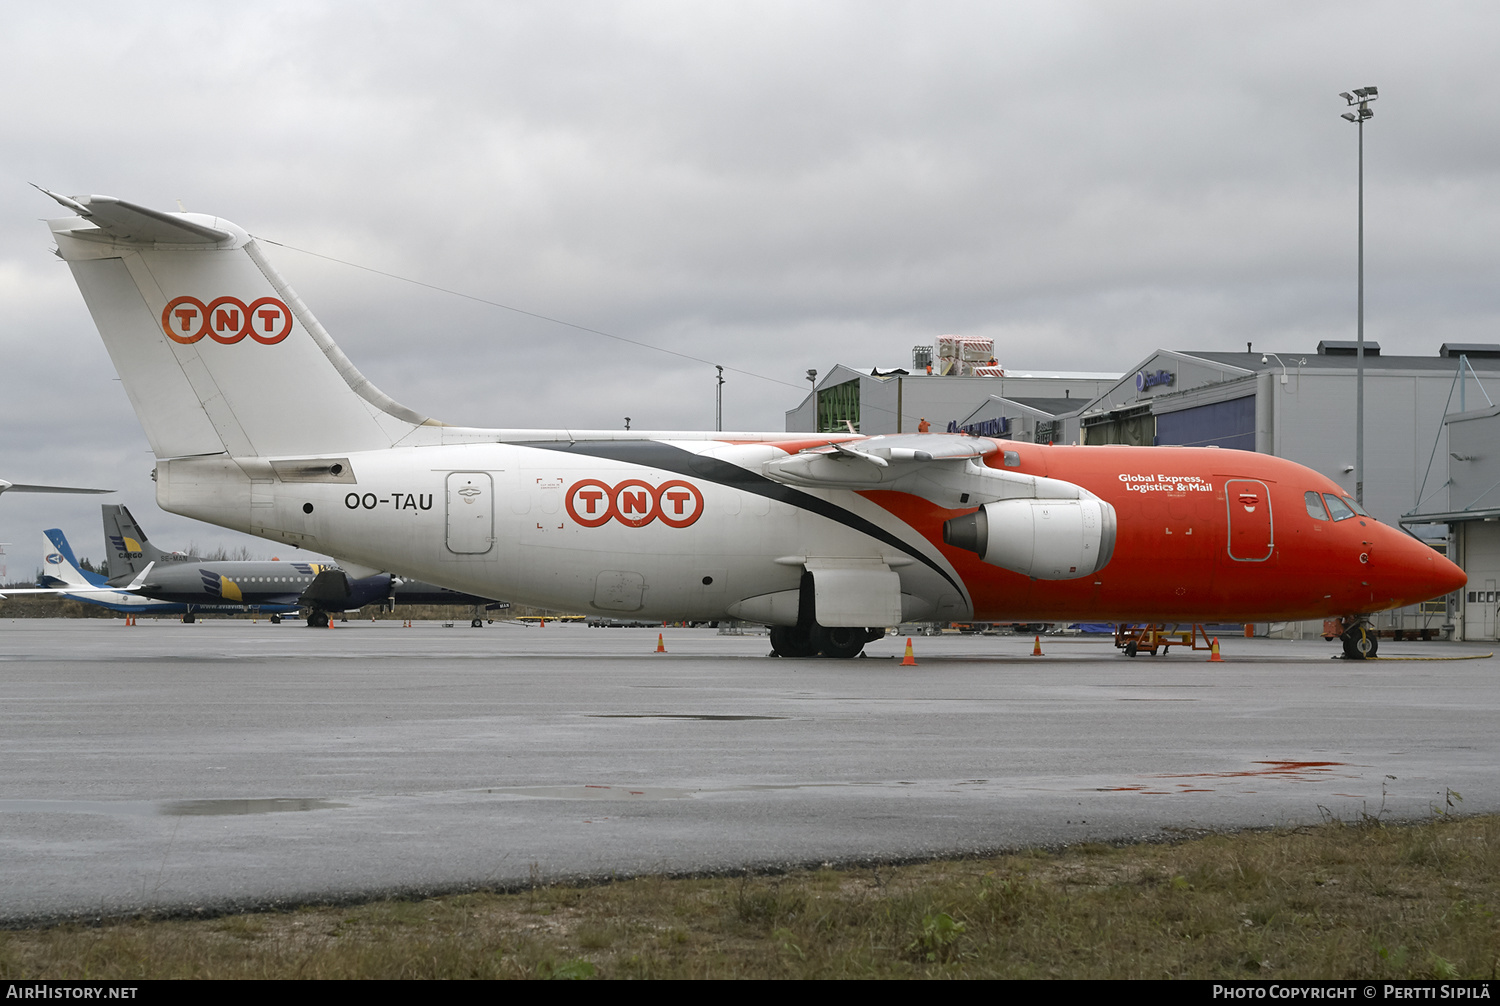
1472, 656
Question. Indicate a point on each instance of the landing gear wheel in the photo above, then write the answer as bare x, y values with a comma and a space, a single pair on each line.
1360, 643
189, 618
275, 619
840, 641
317, 620
792, 641
477, 623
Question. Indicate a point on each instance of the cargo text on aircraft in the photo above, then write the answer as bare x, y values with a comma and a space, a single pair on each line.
634, 503
226, 320
1166, 483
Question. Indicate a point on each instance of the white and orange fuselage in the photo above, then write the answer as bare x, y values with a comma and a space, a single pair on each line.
694, 529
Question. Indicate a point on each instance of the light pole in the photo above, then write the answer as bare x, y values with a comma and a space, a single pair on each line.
1361, 97
719, 401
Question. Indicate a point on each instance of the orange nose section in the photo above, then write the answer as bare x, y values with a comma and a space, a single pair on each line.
1447, 576
1417, 572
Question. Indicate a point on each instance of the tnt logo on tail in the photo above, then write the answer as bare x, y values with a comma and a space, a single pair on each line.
226, 320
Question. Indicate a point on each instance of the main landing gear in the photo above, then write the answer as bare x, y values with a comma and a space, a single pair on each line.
317, 619
817, 640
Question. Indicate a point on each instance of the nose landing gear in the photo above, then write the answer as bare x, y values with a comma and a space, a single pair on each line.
1360, 641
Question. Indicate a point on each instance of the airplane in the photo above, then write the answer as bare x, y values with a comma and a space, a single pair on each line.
260, 423
64, 575
276, 587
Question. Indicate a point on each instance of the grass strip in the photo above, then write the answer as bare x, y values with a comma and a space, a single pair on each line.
1366, 900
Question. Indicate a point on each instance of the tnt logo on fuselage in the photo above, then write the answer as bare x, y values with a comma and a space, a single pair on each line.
226, 320
634, 503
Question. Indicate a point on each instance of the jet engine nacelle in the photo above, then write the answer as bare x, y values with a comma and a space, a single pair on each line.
1047, 539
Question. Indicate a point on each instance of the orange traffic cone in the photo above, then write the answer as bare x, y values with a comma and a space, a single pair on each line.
544, 624
1215, 659
661, 645
1036, 648
909, 660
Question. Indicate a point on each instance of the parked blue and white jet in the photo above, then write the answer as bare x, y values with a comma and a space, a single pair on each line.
64, 576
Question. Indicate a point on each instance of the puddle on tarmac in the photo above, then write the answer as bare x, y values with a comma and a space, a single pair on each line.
1295, 771
1299, 771
677, 716
594, 792
225, 808
165, 808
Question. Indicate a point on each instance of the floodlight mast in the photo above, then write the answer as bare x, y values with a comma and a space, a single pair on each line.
1361, 97
719, 401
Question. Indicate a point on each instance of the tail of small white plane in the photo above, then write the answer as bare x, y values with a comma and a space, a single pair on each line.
60, 567
216, 351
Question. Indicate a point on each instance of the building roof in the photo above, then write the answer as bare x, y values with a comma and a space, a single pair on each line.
1313, 361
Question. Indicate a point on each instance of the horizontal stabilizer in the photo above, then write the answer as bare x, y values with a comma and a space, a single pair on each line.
127, 223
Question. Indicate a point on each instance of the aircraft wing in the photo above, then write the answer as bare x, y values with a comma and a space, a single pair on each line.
16, 487
130, 588
947, 468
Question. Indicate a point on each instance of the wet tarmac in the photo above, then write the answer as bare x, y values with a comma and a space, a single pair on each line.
236, 764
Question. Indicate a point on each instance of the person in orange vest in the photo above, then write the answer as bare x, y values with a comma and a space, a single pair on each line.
923, 425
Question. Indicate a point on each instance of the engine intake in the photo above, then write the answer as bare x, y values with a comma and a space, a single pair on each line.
1048, 539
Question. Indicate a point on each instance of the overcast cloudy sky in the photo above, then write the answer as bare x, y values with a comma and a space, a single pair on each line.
770, 186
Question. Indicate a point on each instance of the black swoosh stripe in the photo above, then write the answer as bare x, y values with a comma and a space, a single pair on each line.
653, 454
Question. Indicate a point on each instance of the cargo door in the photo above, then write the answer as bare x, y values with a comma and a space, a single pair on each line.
471, 513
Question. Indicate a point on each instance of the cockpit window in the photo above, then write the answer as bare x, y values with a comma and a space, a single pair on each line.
1356, 507
1337, 507
1315, 508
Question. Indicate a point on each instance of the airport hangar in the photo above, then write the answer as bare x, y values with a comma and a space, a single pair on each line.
1293, 405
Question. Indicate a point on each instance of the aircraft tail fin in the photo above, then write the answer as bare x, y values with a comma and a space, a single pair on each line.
60, 565
216, 351
127, 545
